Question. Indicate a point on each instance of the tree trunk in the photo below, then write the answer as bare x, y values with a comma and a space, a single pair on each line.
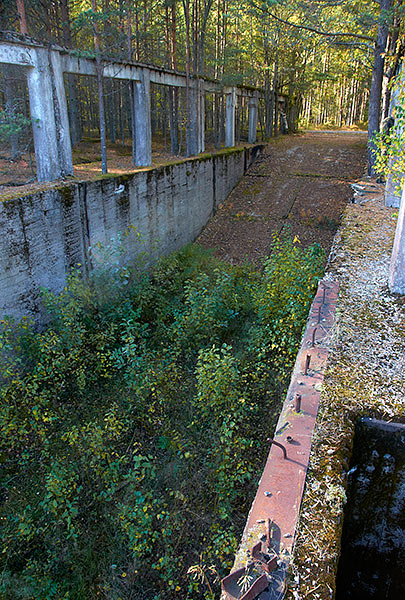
111, 110
186, 9
268, 91
275, 92
376, 84
131, 83
99, 69
22, 16
390, 69
74, 103
9, 79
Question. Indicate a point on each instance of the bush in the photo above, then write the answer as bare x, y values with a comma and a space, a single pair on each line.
132, 428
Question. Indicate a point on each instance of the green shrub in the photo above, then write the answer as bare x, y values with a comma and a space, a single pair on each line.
132, 427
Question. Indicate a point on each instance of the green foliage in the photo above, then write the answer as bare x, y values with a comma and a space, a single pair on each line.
12, 123
132, 427
388, 147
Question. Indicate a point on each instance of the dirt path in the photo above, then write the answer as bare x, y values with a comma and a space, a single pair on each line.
301, 182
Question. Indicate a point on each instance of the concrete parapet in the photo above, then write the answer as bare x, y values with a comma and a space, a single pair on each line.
45, 234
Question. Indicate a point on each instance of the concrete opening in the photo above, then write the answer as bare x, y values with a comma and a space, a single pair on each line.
373, 540
16, 126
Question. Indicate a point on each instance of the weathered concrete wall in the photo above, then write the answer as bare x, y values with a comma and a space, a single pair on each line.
45, 234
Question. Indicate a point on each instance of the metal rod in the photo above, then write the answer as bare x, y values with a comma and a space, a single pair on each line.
298, 399
279, 445
313, 337
307, 363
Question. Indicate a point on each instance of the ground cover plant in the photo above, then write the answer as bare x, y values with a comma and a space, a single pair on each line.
133, 427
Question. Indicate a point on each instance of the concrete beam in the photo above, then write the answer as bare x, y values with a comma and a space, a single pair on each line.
253, 113
120, 70
230, 118
396, 280
14, 54
14, 50
143, 127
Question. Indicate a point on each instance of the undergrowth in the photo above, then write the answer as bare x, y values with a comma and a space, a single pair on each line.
133, 426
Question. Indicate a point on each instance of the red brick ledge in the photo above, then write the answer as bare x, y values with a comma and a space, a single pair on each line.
274, 515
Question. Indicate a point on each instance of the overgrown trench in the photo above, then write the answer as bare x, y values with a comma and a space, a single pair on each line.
301, 183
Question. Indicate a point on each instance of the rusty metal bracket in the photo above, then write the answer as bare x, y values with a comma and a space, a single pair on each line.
263, 564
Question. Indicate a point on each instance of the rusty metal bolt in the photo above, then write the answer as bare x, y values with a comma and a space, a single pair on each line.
307, 363
313, 337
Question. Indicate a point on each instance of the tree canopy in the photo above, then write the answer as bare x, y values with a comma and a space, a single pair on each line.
320, 53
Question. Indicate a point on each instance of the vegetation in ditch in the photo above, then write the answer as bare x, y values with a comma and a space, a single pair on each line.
133, 427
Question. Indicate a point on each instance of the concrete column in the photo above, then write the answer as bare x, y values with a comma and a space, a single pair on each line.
49, 115
143, 128
253, 111
201, 116
392, 189
61, 115
230, 118
396, 280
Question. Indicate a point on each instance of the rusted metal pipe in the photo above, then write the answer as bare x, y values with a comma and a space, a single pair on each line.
297, 400
279, 445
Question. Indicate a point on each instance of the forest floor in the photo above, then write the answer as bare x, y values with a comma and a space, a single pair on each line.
301, 182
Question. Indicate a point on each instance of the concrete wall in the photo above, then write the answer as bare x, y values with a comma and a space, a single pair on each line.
45, 234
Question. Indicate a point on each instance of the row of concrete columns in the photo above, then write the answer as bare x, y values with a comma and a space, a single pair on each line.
51, 131
48, 105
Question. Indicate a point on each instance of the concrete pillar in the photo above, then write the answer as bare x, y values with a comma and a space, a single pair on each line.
253, 111
396, 280
392, 189
48, 109
143, 127
201, 117
61, 115
230, 118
